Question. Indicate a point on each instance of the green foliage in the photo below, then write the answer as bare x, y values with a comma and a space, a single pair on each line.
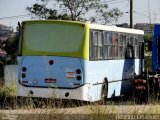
6, 91
148, 37
148, 54
75, 10
11, 48
148, 64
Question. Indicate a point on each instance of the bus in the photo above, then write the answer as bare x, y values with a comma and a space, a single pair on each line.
156, 49
77, 60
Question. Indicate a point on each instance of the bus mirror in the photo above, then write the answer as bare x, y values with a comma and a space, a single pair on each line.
149, 45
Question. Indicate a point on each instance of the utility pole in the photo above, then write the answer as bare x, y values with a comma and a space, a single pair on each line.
131, 13
149, 12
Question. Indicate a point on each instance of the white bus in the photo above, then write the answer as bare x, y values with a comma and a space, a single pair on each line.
74, 60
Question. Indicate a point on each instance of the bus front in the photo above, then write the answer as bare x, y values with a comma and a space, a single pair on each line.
50, 59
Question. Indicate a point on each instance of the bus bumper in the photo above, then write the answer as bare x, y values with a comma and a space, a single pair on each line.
80, 93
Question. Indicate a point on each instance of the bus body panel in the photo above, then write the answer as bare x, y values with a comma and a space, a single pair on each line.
49, 71
80, 93
118, 72
156, 48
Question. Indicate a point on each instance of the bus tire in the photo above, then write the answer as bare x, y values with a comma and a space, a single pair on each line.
104, 90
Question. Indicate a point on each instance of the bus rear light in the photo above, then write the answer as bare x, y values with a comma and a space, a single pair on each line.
24, 69
139, 81
50, 62
24, 81
78, 78
23, 75
78, 71
50, 80
140, 87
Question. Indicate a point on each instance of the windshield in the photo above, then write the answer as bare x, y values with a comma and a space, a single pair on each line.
52, 38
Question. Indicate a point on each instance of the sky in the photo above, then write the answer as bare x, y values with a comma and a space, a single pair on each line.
142, 11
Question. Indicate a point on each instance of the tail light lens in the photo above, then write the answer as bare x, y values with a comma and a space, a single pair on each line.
24, 69
23, 75
50, 62
139, 81
79, 78
78, 71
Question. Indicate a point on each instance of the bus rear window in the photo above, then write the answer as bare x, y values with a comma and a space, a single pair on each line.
51, 38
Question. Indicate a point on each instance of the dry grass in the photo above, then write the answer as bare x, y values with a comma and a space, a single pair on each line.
92, 112
49, 109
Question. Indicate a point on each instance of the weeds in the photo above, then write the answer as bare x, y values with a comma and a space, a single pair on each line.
8, 96
6, 91
48, 109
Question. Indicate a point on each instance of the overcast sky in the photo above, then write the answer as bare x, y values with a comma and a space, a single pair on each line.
141, 11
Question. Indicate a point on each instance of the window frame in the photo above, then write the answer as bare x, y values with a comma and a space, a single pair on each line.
107, 46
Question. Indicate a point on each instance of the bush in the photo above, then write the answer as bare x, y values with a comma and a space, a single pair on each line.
7, 91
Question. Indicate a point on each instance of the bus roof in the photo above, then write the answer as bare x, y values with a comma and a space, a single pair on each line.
92, 26
52, 21
116, 29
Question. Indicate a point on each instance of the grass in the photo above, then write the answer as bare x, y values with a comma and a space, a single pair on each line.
48, 109
8, 96
92, 111
7, 91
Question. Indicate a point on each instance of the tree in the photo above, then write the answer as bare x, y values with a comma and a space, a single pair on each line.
11, 48
75, 10
148, 54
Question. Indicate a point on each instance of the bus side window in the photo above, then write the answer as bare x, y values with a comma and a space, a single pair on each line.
140, 40
91, 50
96, 46
100, 45
135, 46
107, 42
129, 53
121, 45
114, 45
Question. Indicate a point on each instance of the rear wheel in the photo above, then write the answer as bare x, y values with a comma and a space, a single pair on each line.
104, 90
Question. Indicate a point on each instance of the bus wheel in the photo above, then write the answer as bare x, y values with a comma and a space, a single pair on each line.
104, 90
